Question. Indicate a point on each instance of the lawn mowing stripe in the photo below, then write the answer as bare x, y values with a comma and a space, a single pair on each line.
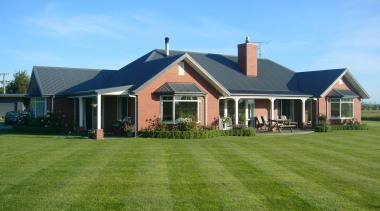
255, 181
229, 192
150, 188
108, 177
46, 186
345, 156
315, 194
319, 168
22, 168
362, 139
189, 186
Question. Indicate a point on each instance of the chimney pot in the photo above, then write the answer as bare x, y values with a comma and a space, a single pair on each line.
247, 40
167, 46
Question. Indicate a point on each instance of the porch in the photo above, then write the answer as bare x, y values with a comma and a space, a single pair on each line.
246, 110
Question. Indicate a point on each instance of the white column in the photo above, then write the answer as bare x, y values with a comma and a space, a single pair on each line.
225, 108
236, 110
99, 112
303, 111
81, 112
272, 107
246, 113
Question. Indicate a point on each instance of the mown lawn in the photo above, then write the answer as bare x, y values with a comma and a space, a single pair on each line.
332, 171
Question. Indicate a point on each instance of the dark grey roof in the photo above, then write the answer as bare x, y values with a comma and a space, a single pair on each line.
342, 93
61, 81
225, 69
317, 82
267, 92
272, 78
140, 71
179, 88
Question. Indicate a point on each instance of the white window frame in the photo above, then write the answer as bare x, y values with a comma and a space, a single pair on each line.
341, 101
177, 98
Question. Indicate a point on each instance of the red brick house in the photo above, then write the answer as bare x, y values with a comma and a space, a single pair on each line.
165, 83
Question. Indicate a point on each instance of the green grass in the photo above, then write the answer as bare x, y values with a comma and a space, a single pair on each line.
329, 171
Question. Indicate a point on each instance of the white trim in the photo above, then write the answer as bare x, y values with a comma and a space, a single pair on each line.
333, 84
99, 112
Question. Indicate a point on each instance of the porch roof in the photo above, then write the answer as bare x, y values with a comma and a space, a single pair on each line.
269, 93
179, 88
342, 93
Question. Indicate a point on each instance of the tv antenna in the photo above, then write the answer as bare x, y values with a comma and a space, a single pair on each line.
259, 44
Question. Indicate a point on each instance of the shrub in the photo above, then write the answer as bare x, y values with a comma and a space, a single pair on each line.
197, 134
156, 124
23, 118
54, 120
323, 128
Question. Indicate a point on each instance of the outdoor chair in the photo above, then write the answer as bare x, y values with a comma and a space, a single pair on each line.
266, 122
260, 122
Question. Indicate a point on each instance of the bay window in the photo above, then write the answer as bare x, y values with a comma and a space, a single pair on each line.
341, 108
174, 107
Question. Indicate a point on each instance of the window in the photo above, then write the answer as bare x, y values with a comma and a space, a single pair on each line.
341, 108
174, 107
38, 106
181, 68
285, 108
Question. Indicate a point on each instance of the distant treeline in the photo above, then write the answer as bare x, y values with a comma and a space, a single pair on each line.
370, 106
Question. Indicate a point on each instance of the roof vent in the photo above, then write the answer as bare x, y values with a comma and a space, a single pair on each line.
167, 46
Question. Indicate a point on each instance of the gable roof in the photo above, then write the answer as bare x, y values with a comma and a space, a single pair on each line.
61, 81
225, 70
318, 83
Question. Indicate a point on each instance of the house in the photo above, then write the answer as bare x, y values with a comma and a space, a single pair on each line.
167, 83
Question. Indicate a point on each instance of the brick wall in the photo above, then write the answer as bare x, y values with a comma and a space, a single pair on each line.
324, 106
149, 103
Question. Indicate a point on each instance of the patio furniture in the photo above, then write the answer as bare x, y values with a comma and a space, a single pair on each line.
260, 122
267, 123
282, 126
288, 121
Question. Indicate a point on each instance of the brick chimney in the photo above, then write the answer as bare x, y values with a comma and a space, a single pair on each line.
247, 58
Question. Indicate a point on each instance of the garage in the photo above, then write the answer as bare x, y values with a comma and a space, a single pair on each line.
12, 102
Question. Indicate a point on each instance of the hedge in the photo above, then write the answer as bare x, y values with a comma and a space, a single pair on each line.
323, 128
329, 128
197, 134
36, 130
351, 127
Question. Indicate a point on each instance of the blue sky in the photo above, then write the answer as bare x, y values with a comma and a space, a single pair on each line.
301, 35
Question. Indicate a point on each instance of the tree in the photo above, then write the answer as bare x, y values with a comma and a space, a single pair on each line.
19, 84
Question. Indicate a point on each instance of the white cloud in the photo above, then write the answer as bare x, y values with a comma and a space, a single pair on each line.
78, 26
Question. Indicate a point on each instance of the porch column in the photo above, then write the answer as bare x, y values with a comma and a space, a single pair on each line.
272, 107
237, 110
225, 113
246, 113
81, 111
303, 111
99, 112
